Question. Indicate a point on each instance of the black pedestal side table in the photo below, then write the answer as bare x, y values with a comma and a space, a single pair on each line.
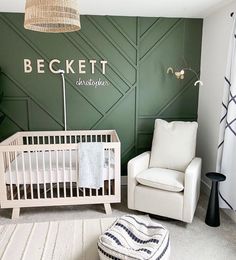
213, 211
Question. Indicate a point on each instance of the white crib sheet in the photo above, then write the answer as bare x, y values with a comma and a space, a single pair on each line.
32, 172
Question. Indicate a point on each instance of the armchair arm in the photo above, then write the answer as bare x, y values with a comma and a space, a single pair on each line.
191, 188
135, 166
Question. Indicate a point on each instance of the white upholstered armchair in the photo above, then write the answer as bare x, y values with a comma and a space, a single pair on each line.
166, 181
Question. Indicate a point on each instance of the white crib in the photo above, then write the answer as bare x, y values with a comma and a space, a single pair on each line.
41, 169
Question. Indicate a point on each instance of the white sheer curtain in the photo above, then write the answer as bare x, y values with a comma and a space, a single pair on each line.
226, 158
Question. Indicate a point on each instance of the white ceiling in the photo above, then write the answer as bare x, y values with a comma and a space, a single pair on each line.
155, 8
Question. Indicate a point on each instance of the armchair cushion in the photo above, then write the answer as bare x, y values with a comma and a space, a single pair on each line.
173, 145
163, 179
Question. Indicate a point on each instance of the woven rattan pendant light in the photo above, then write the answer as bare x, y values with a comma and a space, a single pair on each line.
52, 16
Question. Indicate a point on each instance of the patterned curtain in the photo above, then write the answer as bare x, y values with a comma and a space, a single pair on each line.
226, 157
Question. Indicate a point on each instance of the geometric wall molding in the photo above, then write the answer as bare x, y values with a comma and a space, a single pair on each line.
138, 51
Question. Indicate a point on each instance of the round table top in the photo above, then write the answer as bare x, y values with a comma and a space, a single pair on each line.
216, 176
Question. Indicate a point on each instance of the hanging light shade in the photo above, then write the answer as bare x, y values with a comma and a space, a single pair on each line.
53, 16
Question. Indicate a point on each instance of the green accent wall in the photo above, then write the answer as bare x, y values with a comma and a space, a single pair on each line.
138, 51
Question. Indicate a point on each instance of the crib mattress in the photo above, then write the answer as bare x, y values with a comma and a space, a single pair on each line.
38, 169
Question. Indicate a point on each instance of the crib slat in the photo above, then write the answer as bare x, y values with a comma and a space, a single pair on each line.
71, 193
64, 179
17, 176
44, 183
11, 156
58, 194
103, 180
50, 169
30, 170
23, 168
76, 170
10, 175
96, 140
37, 173
117, 171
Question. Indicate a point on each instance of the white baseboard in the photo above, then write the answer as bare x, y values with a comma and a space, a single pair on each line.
230, 213
205, 188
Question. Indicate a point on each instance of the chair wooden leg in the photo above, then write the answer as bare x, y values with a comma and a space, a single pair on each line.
15, 213
107, 207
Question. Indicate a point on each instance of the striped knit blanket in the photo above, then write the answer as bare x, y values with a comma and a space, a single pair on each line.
134, 237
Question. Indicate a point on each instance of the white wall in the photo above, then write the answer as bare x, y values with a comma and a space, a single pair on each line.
216, 33
160, 8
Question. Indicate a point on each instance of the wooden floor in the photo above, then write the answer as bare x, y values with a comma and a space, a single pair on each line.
52, 240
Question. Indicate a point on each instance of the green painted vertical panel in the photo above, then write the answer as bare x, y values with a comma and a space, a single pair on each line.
155, 88
139, 89
167, 43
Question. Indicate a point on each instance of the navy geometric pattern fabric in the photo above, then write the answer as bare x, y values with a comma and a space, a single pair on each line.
134, 237
226, 156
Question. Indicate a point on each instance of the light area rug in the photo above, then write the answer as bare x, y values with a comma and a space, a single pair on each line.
73, 239
195, 241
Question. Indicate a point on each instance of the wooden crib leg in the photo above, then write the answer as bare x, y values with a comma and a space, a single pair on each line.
107, 207
15, 213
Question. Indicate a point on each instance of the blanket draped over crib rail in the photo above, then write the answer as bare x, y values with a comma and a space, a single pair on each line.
91, 160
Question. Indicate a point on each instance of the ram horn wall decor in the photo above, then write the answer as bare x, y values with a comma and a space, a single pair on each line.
179, 74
